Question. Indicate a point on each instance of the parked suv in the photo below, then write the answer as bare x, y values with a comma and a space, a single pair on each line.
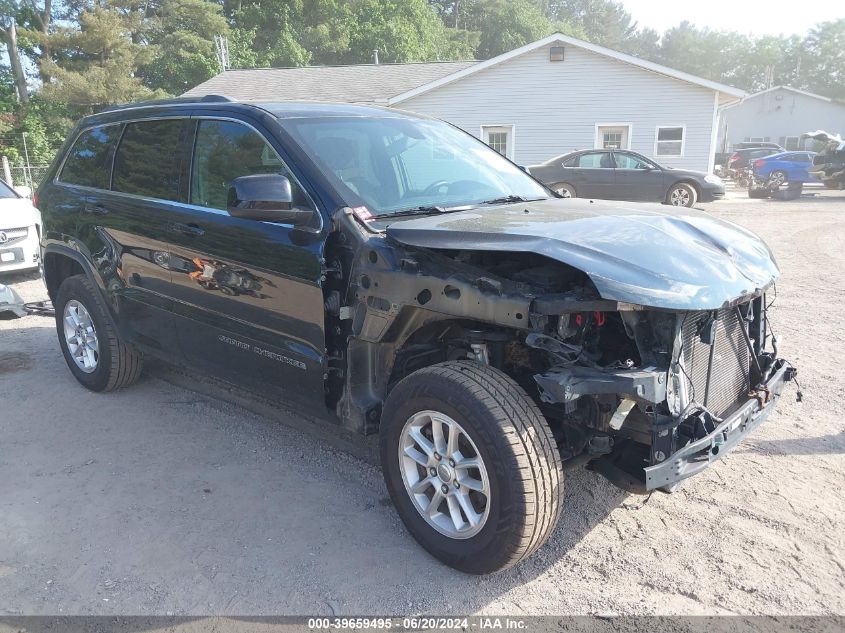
399, 276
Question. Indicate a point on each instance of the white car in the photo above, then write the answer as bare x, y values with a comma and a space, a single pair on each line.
20, 230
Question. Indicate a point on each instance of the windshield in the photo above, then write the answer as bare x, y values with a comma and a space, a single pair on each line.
395, 164
6, 191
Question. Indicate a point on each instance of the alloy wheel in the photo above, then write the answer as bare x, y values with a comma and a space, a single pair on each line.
81, 336
444, 474
679, 197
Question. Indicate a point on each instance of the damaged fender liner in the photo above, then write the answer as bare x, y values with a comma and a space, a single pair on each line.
698, 455
566, 384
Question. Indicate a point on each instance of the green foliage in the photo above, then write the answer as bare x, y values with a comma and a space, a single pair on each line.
181, 36
297, 33
825, 46
45, 123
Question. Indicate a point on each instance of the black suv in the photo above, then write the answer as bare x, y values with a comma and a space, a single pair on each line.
395, 274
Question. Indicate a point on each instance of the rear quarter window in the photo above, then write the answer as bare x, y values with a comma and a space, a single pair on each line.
88, 162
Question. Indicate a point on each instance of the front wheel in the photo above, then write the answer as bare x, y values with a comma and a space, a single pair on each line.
471, 466
564, 190
682, 195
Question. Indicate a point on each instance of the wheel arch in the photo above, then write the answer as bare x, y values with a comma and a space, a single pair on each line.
560, 183
61, 262
683, 181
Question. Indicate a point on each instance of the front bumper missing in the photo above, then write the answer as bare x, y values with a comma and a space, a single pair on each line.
698, 455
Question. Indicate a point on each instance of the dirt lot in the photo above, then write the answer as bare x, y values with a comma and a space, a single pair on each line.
161, 499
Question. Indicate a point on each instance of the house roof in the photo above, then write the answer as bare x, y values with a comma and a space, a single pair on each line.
394, 83
560, 38
360, 83
796, 91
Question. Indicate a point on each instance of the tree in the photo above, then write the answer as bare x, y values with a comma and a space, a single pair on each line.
825, 67
9, 35
180, 34
100, 58
504, 25
604, 22
298, 33
402, 31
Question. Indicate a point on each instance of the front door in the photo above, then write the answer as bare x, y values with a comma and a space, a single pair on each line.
247, 294
637, 178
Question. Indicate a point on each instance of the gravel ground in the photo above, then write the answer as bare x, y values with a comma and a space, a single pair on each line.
167, 500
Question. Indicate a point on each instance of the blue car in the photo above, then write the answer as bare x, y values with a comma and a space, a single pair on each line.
785, 167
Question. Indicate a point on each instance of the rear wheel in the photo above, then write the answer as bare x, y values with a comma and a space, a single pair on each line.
682, 195
95, 354
471, 466
778, 177
564, 190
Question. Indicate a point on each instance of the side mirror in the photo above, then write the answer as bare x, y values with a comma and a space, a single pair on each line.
23, 191
265, 197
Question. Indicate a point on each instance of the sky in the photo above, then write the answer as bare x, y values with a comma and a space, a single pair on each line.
752, 17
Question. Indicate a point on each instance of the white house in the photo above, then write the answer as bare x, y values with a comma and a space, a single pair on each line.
780, 115
543, 99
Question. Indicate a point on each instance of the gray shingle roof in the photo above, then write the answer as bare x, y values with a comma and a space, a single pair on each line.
365, 83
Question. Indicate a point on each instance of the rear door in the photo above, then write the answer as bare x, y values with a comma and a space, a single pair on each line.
636, 178
150, 171
120, 223
247, 293
592, 176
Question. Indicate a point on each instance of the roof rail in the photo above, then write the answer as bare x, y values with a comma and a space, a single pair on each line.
172, 101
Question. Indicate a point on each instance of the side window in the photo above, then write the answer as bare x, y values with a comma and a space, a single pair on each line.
669, 141
629, 161
571, 162
149, 161
595, 160
88, 162
225, 150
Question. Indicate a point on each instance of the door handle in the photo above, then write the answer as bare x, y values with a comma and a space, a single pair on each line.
188, 229
96, 209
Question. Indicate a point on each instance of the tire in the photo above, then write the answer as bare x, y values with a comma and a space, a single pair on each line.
564, 189
682, 194
779, 176
514, 443
116, 364
758, 193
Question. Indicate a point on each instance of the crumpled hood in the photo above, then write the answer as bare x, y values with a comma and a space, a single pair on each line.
17, 212
645, 254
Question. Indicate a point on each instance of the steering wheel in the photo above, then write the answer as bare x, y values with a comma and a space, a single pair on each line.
435, 187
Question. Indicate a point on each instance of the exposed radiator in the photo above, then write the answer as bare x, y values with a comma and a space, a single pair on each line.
729, 381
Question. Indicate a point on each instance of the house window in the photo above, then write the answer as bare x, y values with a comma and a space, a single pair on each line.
499, 137
613, 135
669, 141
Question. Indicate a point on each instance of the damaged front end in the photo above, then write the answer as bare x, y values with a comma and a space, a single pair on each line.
643, 337
702, 382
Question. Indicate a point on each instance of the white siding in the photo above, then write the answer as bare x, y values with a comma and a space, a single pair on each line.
555, 106
780, 113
